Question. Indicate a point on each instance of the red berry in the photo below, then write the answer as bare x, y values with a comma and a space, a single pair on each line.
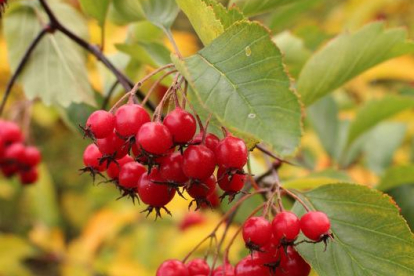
191, 219
292, 264
269, 254
315, 224
2, 146
198, 267
257, 230
211, 140
171, 168
15, 153
129, 118
91, 157
10, 132
251, 267
113, 144
153, 194
224, 270
181, 125
172, 268
199, 162
101, 123
113, 169
130, 174
29, 177
231, 152
32, 156
154, 138
228, 182
286, 225
9, 169
203, 189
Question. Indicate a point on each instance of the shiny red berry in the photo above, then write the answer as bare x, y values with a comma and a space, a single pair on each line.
286, 225
181, 125
257, 231
211, 140
315, 224
154, 138
152, 193
10, 133
171, 168
9, 170
130, 174
230, 182
113, 169
172, 268
91, 157
32, 156
129, 118
15, 153
101, 123
29, 177
191, 219
231, 152
113, 145
198, 267
199, 162
251, 267
224, 270
292, 264
203, 188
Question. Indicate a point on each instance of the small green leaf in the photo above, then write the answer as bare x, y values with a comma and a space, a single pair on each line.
96, 9
396, 176
375, 111
370, 236
240, 78
202, 13
161, 13
347, 56
255, 7
56, 71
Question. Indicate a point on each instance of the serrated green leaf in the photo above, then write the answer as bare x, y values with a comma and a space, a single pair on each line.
153, 54
255, 7
403, 196
161, 13
396, 176
370, 236
96, 9
240, 78
375, 111
56, 71
202, 13
349, 55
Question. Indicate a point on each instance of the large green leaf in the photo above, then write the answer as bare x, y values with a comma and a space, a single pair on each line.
240, 78
403, 196
396, 176
349, 55
255, 7
370, 236
375, 111
154, 54
96, 9
202, 13
56, 71
161, 13
125, 11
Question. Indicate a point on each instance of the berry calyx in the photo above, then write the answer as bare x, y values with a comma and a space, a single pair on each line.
257, 232
181, 125
229, 182
113, 168
198, 267
154, 138
29, 176
231, 152
171, 168
292, 264
203, 188
130, 174
199, 162
286, 226
315, 225
172, 268
129, 118
100, 124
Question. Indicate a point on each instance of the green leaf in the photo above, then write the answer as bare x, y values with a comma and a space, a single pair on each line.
153, 54
396, 176
125, 11
161, 13
403, 196
56, 71
14, 250
349, 55
240, 78
96, 9
375, 111
202, 13
370, 236
255, 7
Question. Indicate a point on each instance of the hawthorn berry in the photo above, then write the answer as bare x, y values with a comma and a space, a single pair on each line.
10, 133
152, 192
101, 124
286, 225
129, 174
9, 170
230, 182
154, 138
191, 219
29, 176
315, 225
250, 267
199, 162
203, 188
15, 153
91, 157
172, 268
112, 146
224, 270
231, 152
32, 156
211, 140
113, 168
171, 168
198, 267
129, 118
292, 264
181, 125
257, 232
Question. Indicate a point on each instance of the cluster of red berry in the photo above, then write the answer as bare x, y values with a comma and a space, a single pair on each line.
167, 156
15, 157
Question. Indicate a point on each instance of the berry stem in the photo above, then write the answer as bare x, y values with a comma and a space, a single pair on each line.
172, 40
152, 88
184, 101
297, 199
172, 88
269, 153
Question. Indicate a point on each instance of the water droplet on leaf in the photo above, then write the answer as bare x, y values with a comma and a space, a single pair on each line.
248, 51
251, 116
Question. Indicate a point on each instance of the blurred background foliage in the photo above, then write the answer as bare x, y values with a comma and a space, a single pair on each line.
65, 225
